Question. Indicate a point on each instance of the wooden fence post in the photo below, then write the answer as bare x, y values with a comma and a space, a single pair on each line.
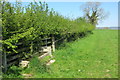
4, 62
53, 43
31, 48
0, 64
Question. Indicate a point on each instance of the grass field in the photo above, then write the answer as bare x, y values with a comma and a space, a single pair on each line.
95, 56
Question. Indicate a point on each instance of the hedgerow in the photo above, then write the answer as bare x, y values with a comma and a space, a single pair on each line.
35, 21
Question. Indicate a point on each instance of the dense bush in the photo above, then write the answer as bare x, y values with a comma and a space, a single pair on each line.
13, 72
35, 21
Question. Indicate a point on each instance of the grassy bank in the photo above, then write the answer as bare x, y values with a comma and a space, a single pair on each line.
95, 56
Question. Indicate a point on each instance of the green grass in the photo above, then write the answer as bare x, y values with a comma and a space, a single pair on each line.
95, 56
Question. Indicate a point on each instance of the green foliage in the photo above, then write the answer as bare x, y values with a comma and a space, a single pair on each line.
80, 59
95, 56
36, 66
13, 72
30, 22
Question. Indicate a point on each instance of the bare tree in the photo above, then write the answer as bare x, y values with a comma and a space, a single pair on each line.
93, 13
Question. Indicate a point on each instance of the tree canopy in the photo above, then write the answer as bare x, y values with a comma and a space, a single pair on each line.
93, 12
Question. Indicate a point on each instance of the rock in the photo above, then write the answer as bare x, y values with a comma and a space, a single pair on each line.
24, 64
50, 62
27, 75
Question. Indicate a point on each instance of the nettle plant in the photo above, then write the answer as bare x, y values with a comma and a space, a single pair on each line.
33, 20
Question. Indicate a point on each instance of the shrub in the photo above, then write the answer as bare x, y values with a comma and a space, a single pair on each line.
34, 22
